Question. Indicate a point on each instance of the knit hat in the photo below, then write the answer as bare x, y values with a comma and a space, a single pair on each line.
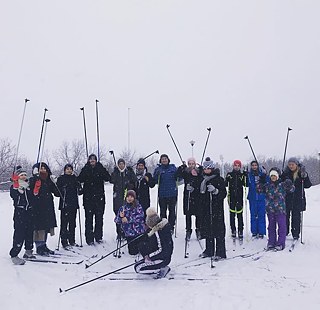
274, 172
68, 166
121, 160
164, 155
208, 164
293, 160
132, 193
20, 170
152, 218
93, 156
237, 162
191, 159
141, 161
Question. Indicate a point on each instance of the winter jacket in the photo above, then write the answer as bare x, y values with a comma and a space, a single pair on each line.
122, 182
142, 188
235, 180
69, 188
21, 200
165, 177
252, 181
275, 195
297, 199
212, 209
135, 220
191, 200
93, 179
159, 244
43, 205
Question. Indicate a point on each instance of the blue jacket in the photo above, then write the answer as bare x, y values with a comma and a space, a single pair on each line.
252, 181
166, 176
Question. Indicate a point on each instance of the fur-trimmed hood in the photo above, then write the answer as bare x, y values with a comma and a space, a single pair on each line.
158, 227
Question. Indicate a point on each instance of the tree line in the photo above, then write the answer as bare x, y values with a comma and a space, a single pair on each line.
74, 152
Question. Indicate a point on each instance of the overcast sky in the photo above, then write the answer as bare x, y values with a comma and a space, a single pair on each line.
239, 67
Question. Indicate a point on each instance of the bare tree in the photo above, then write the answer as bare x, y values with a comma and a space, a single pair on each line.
7, 154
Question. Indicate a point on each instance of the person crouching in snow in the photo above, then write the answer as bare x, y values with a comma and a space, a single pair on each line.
276, 207
22, 218
131, 219
157, 248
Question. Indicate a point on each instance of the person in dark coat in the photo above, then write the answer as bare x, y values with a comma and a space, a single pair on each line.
43, 185
256, 201
123, 179
191, 175
70, 188
157, 248
93, 175
145, 181
22, 218
165, 175
296, 201
213, 229
235, 181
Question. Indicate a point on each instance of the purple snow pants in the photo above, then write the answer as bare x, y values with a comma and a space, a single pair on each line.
274, 220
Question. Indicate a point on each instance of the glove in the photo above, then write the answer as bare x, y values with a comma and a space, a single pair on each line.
53, 178
263, 170
303, 172
37, 186
35, 171
15, 180
263, 178
190, 188
287, 183
23, 185
212, 189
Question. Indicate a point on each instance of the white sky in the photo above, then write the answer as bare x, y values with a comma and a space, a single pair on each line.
240, 67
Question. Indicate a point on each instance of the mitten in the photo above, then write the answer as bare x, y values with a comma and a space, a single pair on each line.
303, 172
212, 189
190, 188
53, 178
37, 187
15, 180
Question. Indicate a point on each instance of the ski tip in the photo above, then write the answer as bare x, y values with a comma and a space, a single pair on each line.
61, 290
87, 266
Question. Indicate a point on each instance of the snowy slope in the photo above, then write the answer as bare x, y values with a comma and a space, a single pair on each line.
265, 280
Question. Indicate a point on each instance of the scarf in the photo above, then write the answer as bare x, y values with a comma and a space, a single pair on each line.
203, 185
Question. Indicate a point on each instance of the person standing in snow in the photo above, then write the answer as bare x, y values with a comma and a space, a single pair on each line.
213, 229
43, 185
123, 179
70, 188
275, 191
93, 175
131, 218
256, 201
191, 175
145, 181
22, 218
157, 248
296, 201
235, 181
165, 175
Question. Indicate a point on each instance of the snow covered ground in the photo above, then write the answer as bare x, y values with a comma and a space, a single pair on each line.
265, 280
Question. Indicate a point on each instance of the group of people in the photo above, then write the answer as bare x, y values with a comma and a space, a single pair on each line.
281, 196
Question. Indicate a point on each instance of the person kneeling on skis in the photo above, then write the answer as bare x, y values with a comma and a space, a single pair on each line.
157, 248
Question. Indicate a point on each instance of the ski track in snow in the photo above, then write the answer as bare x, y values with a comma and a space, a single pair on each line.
264, 280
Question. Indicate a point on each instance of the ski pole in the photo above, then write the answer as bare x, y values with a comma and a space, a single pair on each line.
114, 158
285, 148
144, 158
211, 230
176, 213
247, 138
80, 233
186, 241
94, 279
301, 212
44, 138
114, 251
98, 137
63, 205
20, 133
246, 206
174, 143
85, 130
205, 146
41, 134
158, 193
